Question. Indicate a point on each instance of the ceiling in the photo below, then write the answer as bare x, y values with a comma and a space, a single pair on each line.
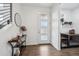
69, 6
38, 4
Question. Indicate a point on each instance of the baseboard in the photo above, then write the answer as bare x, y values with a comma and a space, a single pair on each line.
39, 44
31, 44
44, 44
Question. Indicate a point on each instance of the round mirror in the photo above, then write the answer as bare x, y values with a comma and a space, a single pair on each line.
17, 19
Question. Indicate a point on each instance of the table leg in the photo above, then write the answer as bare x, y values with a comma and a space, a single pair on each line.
12, 49
25, 40
68, 41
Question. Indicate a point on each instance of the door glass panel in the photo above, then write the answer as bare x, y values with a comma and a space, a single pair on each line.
44, 23
44, 37
44, 27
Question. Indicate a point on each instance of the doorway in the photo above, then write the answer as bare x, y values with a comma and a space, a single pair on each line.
44, 29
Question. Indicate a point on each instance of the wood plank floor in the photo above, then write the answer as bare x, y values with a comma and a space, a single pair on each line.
48, 50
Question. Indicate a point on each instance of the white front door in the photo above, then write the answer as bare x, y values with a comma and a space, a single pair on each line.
44, 29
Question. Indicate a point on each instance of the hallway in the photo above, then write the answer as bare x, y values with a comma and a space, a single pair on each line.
48, 50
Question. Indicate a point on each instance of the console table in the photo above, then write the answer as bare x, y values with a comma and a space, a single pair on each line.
17, 42
67, 37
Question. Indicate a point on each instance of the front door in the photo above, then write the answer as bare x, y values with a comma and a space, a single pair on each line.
44, 29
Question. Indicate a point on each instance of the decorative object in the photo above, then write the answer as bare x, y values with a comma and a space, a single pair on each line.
18, 20
23, 28
72, 31
65, 22
70, 23
62, 19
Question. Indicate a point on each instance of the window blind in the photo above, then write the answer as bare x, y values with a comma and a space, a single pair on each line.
5, 14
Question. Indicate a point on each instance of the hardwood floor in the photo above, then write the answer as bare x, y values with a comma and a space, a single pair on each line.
48, 50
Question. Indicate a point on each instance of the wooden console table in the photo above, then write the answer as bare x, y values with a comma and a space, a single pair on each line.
18, 41
68, 38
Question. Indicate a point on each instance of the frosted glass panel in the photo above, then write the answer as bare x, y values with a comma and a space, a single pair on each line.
44, 23
43, 31
44, 27
44, 37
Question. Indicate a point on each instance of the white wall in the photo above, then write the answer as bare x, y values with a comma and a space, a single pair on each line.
6, 34
67, 17
75, 15
30, 16
55, 27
